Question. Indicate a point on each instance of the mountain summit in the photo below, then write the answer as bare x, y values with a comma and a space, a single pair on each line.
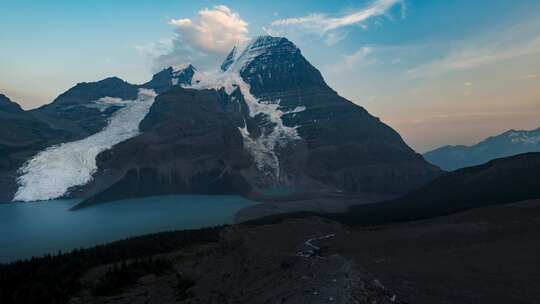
8, 106
268, 65
169, 77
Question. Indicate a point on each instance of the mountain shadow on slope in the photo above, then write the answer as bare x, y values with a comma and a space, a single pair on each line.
499, 181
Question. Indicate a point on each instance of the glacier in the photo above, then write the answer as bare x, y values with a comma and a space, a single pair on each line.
229, 78
52, 172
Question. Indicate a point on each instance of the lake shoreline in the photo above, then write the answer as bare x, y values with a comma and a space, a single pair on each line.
24, 233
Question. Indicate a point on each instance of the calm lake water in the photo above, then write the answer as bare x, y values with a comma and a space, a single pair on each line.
33, 229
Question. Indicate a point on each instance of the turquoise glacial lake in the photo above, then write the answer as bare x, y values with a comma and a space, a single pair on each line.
34, 229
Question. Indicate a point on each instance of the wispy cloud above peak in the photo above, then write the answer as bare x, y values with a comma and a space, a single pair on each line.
493, 49
327, 26
353, 61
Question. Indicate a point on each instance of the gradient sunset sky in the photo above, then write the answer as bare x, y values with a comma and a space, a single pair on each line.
439, 72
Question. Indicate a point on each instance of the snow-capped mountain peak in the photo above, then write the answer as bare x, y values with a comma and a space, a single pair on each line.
525, 137
509, 143
231, 78
262, 47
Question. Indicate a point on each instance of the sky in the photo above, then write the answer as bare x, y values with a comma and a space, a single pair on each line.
439, 72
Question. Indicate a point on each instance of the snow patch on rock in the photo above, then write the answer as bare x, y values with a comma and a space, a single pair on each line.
529, 138
51, 173
105, 102
182, 75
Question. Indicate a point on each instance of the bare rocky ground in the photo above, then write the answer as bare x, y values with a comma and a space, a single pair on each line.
487, 255
265, 264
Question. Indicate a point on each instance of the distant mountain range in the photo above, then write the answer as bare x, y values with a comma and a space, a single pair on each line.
506, 144
266, 119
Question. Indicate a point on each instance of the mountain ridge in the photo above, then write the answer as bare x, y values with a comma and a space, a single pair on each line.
459, 190
508, 143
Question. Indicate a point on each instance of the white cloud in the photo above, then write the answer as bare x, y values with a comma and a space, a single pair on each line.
335, 37
202, 40
318, 23
214, 30
374, 55
358, 55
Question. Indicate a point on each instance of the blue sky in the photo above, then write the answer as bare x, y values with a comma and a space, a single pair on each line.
440, 72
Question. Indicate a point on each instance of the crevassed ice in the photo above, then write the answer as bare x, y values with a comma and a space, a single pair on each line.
52, 172
263, 147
